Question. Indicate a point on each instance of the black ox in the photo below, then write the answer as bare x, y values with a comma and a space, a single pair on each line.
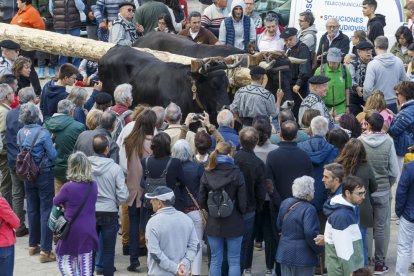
181, 45
158, 83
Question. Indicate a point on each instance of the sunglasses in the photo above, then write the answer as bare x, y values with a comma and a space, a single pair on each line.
131, 10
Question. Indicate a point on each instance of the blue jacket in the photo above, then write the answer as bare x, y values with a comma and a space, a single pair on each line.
13, 125
51, 95
402, 129
43, 147
230, 33
193, 173
404, 198
296, 246
79, 113
229, 135
320, 153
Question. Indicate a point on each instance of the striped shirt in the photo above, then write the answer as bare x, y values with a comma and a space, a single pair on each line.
213, 16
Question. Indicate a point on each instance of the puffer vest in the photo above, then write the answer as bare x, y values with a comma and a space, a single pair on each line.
230, 33
65, 15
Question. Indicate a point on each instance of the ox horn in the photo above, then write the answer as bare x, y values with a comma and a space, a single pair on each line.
297, 60
267, 65
236, 63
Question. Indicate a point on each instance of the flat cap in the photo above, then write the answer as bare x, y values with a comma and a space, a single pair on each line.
9, 44
319, 80
162, 193
127, 3
288, 32
257, 70
364, 45
103, 98
334, 55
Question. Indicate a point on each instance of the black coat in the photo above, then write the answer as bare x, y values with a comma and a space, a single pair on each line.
283, 165
340, 42
253, 170
230, 177
300, 72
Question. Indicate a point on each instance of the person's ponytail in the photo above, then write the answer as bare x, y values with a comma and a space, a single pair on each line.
212, 161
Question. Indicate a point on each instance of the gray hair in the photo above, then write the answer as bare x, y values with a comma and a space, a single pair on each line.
123, 93
5, 90
26, 95
381, 42
78, 96
225, 118
107, 120
319, 126
29, 114
79, 168
65, 106
181, 150
303, 186
160, 112
308, 16
270, 18
336, 169
173, 113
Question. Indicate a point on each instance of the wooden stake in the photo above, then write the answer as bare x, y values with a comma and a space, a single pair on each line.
333, 97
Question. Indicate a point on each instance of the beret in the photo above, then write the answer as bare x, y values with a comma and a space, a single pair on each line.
319, 80
257, 70
288, 32
364, 45
127, 3
103, 98
8, 44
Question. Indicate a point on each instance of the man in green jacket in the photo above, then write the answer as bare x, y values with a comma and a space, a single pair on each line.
65, 131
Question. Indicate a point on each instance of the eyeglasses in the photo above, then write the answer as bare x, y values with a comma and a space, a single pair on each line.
131, 10
360, 194
300, 20
332, 26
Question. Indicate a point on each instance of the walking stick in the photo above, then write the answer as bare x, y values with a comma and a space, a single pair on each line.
333, 98
321, 264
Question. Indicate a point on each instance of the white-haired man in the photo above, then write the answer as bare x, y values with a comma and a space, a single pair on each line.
225, 121
123, 100
169, 252
9, 52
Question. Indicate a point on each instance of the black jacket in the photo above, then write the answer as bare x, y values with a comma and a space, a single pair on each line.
300, 72
253, 170
341, 42
283, 165
230, 177
375, 27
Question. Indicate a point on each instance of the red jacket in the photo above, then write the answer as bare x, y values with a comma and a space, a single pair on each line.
8, 223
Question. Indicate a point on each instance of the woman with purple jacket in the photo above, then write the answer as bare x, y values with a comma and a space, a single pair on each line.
74, 253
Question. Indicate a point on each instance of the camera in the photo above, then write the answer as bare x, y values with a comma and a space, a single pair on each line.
93, 82
198, 116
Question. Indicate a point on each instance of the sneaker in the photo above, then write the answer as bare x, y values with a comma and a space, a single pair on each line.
133, 268
269, 272
247, 272
47, 257
52, 73
380, 268
411, 267
258, 245
41, 73
125, 250
34, 250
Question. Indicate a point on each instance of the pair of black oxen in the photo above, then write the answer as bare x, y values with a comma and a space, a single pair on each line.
158, 83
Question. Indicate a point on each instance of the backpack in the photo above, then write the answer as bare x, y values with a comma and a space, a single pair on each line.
26, 168
219, 204
152, 183
119, 123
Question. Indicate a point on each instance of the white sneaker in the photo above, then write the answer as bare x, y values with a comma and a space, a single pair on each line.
247, 272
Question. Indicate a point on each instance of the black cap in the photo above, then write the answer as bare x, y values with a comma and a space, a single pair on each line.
8, 44
103, 98
364, 45
127, 3
319, 80
257, 70
288, 32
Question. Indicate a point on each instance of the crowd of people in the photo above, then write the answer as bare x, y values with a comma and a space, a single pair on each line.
307, 174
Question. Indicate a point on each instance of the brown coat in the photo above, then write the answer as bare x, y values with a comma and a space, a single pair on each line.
135, 173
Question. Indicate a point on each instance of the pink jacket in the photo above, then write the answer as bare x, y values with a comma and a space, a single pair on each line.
8, 223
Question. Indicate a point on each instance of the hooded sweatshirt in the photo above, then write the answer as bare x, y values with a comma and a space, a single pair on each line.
112, 190
321, 153
343, 240
51, 95
375, 27
383, 73
308, 36
383, 158
66, 131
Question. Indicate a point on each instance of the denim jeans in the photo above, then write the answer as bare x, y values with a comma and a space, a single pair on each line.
233, 254
107, 228
289, 270
6, 260
364, 244
39, 196
64, 59
134, 214
246, 254
380, 206
404, 248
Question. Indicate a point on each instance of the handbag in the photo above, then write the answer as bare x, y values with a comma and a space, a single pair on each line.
152, 183
57, 222
203, 212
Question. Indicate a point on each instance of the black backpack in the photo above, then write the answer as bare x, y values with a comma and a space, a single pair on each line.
152, 183
26, 168
219, 203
